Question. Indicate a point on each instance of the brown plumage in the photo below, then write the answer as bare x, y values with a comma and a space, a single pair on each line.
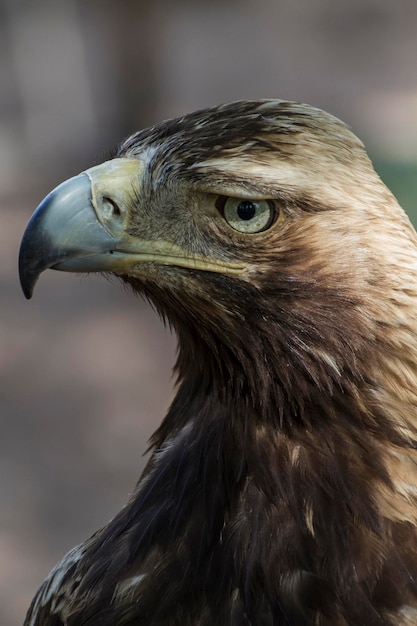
282, 487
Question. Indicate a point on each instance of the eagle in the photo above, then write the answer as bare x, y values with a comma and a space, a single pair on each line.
282, 485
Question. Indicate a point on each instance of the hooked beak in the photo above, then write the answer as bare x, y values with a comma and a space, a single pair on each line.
80, 225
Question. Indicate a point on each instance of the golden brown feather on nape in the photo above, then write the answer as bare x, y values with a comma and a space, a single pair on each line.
282, 486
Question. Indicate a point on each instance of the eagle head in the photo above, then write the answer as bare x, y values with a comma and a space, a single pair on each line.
261, 232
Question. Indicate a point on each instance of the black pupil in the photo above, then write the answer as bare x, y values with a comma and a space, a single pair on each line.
246, 210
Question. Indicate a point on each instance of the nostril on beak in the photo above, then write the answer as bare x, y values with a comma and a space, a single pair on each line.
114, 207
113, 185
111, 213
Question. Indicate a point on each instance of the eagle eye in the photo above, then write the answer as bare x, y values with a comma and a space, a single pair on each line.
247, 216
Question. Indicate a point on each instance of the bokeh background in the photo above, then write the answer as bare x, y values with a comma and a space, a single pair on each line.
85, 367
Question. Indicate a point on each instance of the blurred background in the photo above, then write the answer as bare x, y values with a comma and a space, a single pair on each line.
85, 367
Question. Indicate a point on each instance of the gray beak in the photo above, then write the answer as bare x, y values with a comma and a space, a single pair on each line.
65, 234
81, 225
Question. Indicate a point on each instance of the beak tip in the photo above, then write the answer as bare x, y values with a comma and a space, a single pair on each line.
27, 290
37, 249
27, 277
